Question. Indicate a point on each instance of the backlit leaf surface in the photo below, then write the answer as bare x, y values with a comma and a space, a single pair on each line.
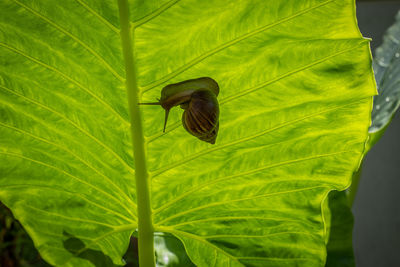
295, 99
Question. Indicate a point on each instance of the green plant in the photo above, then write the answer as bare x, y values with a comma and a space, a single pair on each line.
386, 68
296, 89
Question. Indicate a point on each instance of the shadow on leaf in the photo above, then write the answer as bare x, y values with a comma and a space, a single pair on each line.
76, 247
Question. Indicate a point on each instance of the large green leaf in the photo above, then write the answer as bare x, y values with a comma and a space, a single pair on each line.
296, 86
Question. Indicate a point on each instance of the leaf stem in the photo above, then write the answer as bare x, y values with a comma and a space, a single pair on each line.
145, 225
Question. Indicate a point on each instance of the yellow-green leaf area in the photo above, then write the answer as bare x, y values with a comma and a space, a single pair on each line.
296, 90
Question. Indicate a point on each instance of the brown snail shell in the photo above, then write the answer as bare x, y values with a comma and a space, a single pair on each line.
198, 97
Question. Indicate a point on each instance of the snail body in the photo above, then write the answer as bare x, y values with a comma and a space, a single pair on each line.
198, 98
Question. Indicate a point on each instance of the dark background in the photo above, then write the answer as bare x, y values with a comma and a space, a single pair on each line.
376, 235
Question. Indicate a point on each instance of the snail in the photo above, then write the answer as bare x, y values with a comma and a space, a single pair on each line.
198, 97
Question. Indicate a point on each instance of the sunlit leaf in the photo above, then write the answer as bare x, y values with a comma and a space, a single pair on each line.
296, 90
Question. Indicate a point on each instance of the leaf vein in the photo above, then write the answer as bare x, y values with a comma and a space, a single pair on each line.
73, 37
241, 140
67, 174
204, 185
69, 217
49, 188
198, 238
66, 77
275, 259
155, 13
96, 14
129, 168
257, 236
253, 89
285, 75
226, 45
73, 154
215, 204
123, 228
61, 237
228, 218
